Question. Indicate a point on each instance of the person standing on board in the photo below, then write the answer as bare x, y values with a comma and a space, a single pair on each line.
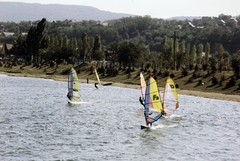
96, 86
149, 124
141, 101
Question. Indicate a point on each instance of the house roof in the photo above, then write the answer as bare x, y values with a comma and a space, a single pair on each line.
7, 34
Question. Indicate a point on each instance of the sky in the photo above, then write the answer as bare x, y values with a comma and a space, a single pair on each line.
155, 8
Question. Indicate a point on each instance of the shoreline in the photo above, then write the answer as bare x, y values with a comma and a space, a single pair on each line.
218, 96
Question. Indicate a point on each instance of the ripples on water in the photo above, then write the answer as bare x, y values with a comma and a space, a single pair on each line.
36, 123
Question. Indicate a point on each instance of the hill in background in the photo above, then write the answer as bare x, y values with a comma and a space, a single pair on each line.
17, 11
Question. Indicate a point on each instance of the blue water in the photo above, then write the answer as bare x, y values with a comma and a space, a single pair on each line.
36, 123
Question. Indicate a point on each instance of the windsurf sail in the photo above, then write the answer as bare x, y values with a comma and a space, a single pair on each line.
97, 77
170, 96
73, 86
153, 104
142, 86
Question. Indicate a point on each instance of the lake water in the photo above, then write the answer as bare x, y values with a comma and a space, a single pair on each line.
36, 123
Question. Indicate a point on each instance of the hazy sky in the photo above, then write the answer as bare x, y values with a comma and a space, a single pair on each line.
155, 8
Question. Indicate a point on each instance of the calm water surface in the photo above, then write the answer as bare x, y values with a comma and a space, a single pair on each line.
36, 123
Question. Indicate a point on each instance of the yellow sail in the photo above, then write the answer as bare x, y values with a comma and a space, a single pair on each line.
153, 104
153, 98
97, 77
170, 96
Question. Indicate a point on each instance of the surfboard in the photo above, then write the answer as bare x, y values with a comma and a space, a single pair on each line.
145, 127
76, 103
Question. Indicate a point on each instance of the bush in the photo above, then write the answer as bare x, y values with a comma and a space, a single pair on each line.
159, 73
128, 71
190, 80
155, 77
231, 82
155, 71
112, 72
147, 66
222, 78
172, 75
166, 73
214, 81
185, 72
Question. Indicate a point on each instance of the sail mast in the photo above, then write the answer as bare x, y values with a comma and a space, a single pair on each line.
97, 77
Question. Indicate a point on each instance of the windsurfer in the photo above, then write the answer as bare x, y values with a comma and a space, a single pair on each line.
96, 85
149, 124
68, 96
141, 101
163, 113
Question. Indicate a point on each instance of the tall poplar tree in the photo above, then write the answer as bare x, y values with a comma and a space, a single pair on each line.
84, 47
199, 55
187, 55
192, 57
97, 53
181, 54
34, 41
220, 58
206, 57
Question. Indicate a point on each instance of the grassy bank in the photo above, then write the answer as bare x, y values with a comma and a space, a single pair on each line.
198, 81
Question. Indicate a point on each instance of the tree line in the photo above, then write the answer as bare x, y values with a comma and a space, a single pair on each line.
134, 42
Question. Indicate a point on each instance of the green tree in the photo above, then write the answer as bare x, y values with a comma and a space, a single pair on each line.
187, 56
181, 54
236, 64
97, 52
34, 41
65, 54
112, 54
206, 57
84, 47
20, 47
220, 58
128, 54
72, 48
199, 55
166, 48
213, 63
192, 57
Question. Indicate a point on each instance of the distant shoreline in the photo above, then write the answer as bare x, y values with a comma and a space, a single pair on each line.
218, 96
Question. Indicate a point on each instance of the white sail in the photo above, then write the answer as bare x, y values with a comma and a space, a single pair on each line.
170, 96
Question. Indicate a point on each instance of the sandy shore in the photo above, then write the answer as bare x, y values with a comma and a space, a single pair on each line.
218, 96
